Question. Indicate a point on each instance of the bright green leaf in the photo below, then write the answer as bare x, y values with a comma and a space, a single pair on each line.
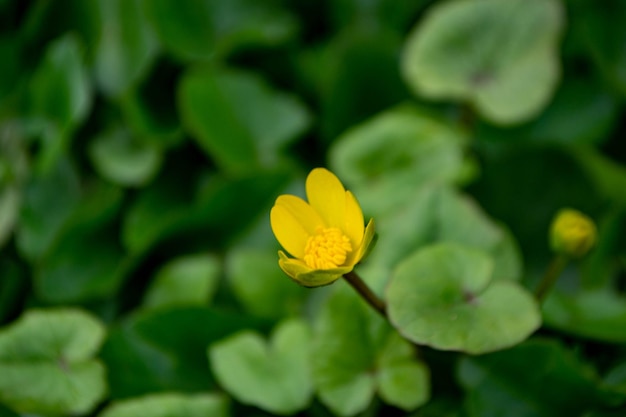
169, 404
244, 363
502, 56
191, 279
357, 354
46, 362
444, 296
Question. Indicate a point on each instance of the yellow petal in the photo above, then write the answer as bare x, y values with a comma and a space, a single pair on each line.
367, 240
354, 220
327, 196
293, 221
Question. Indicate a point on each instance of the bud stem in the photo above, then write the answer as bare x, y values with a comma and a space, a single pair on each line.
365, 292
556, 267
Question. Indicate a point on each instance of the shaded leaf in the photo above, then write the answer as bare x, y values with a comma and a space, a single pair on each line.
504, 383
237, 118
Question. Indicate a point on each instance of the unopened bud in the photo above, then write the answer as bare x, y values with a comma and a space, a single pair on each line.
572, 233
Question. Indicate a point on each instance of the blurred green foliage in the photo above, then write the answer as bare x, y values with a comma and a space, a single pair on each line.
143, 142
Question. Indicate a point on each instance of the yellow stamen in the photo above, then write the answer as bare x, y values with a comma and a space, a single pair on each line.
327, 249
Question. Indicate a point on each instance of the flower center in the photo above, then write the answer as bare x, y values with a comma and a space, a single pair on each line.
327, 249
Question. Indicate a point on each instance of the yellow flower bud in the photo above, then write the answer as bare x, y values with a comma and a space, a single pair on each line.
572, 233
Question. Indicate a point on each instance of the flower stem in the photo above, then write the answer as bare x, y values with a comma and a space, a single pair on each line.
365, 292
552, 274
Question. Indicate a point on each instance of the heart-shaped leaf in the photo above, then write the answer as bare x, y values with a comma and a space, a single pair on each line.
444, 296
169, 404
244, 364
502, 56
47, 365
356, 354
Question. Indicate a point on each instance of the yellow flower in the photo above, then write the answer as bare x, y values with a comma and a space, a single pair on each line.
325, 236
572, 233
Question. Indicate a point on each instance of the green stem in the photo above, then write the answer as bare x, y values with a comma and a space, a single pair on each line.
365, 292
552, 274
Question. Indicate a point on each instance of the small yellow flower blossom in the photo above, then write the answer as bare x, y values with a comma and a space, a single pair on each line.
325, 236
572, 233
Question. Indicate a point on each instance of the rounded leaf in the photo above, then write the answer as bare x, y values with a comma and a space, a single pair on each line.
502, 56
443, 296
47, 365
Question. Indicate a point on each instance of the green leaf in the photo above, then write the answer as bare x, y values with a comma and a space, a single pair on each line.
46, 362
123, 158
389, 156
126, 48
244, 363
186, 280
60, 95
260, 285
237, 118
434, 214
86, 260
169, 404
194, 30
356, 354
444, 296
49, 201
500, 56
599, 314
503, 383
165, 349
